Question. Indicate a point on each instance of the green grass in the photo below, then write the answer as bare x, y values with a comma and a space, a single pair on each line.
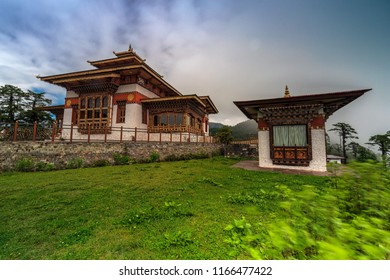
169, 210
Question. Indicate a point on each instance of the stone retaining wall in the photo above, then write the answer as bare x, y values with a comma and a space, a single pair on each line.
61, 153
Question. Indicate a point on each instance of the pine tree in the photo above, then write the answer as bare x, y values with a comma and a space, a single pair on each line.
12, 103
345, 132
382, 141
35, 100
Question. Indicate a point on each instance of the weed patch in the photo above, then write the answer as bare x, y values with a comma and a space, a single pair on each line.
79, 237
25, 165
171, 210
176, 239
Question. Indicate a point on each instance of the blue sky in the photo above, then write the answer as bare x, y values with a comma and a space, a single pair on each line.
230, 50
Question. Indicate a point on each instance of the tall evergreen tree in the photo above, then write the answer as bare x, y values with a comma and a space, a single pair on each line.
361, 153
17, 105
382, 141
35, 100
346, 132
12, 103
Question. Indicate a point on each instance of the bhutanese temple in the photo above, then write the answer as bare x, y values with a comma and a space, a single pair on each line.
291, 129
124, 91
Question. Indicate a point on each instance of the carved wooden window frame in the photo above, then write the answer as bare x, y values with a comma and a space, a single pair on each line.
296, 156
94, 114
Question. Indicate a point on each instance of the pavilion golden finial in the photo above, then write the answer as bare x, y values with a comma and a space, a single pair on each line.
286, 92
130, 48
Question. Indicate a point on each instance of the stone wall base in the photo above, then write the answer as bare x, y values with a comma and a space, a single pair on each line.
60, 153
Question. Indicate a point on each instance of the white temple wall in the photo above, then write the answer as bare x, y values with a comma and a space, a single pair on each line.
138, 88
264, 150
318, 163
71, 94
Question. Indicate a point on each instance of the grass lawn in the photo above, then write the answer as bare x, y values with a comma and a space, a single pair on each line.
169, 210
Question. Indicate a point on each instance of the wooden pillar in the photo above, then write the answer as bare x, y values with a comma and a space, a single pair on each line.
180, 136
71, 132
189, 137
148, 136
16, 130
35, 131
171, 137
53, 132
89, 133
135, 135
105, 133
121, 135
160, 136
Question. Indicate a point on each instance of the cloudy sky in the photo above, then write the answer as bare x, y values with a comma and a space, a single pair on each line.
227, 49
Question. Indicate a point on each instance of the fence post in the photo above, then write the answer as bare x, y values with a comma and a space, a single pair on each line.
16, 130
196, 137
105, 133
160, 136
189, 137
53, 132
180, 136
89, 133
135, 134
35, 131
148, 136
71, 133
121, 135
170, 139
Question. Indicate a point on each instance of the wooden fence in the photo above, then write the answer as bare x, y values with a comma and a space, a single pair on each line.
54, 132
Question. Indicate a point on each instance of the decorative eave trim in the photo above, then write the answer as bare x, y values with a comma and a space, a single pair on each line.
110, 75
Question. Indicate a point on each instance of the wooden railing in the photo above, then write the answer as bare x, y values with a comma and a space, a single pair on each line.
71, 133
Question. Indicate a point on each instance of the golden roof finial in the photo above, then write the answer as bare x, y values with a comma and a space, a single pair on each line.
130, 48
286, 92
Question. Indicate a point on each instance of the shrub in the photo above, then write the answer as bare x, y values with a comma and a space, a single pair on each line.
155, 156
100, 163
121, 159
74, 163
25, 165
44, 166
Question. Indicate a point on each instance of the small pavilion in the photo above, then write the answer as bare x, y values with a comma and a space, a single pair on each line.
291, 129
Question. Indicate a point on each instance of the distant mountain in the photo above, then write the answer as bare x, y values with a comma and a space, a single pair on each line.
243, 130
213, 125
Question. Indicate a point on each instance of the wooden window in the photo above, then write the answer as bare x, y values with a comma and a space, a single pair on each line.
74, 114
121, 112
156, 120
144, 115
94, 112
290, 135
179, 119
171, 119
290, 145
164, 120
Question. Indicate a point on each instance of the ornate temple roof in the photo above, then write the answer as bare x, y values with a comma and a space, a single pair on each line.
329, 102
110, 71
201, 101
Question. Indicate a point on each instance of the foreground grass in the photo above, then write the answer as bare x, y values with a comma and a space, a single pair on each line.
171, 210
